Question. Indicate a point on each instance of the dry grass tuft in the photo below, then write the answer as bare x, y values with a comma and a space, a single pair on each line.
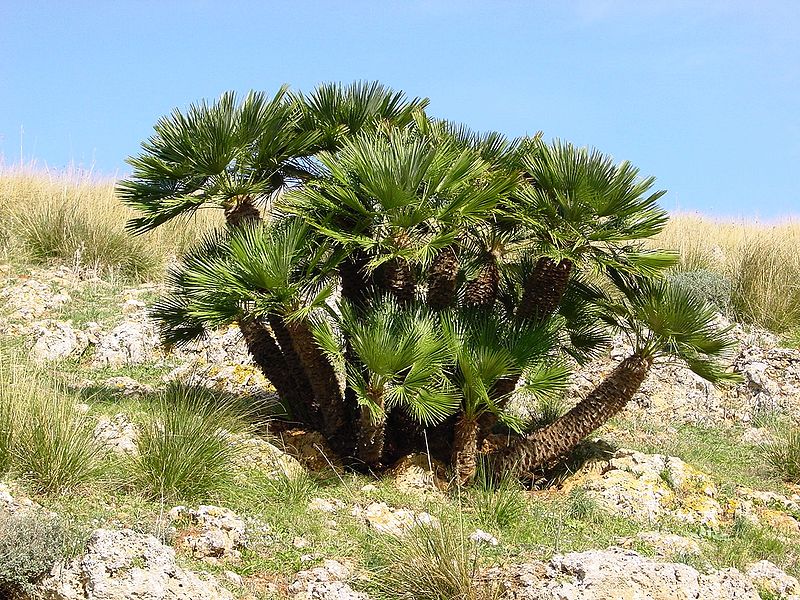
761, 262
75, 218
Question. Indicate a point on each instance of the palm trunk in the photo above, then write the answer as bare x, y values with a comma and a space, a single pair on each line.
372, 433
397, 278
544, 289
442, 277
481, 292
241, 211
325, 385
308, 412
465, 448
542, 447
270, 359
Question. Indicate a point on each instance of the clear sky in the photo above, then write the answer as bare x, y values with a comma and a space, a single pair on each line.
704, 95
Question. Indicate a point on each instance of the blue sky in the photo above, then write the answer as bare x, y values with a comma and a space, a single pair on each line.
704, 95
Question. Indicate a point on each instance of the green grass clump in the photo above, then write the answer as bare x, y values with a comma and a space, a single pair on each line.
54, 447
30, 544
42, 437
496, 504
6, 435
184, 450
783, 455
437, 563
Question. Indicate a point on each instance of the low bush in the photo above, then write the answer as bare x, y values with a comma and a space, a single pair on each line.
184, 447
31, 543
710, 286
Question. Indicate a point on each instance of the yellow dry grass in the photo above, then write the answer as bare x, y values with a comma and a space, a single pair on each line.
77, 218
761, 260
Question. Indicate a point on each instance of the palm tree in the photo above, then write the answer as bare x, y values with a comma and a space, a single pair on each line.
395, 276
662, 321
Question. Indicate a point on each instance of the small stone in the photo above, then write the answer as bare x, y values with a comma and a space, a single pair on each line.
117, 434
326, 505
234, 578
300, 542
768, 576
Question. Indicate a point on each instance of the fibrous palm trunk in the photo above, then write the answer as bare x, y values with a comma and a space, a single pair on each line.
397, 278
481, 292
465, 448
325, 385
542, 293
270, 359
241, 211
442, 276
542, 447
308, 412
544, 288
372, 432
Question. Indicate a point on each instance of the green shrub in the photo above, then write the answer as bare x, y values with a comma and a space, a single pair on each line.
437, 563
784, 455
710, 286
54, 445
184, 450
30, 544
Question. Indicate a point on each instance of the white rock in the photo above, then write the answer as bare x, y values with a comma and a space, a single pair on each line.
479, 536
122, 565
129, 343
325, 583
118, 434
211, 532
326, 505
768, 576
56, 340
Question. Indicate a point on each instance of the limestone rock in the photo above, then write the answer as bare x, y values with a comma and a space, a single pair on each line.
127, 386
121, 565
232, 378
767, 576
620, 574
650, 486
418, 473
311, 449
118, 434
209, 531
12, 504
325, 505
328, 582
258, 453
393, 521
768, 509
56, 340
129, 343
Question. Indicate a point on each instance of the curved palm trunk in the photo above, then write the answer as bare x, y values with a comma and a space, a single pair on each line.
481, 292
538, 449
544, 288
372, 433
442, 277
465, 448
270, 359
308, 412
325, 386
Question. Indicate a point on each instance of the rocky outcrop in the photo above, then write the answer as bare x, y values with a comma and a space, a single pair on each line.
417, 473
648, 487
117, 434
125, 565
56, 340
392, 521
209, 532
619, 574
129, 343
328, 582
